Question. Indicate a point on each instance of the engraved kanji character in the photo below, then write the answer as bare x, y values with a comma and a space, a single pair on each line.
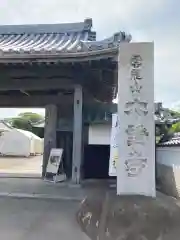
136, 106
136, 134
134, 152
136, 91
136, 74
136, 61
135, 166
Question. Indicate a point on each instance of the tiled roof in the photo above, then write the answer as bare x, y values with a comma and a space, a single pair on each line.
172, 142
54, 39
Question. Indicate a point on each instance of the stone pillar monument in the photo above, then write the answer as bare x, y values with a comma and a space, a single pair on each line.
136, 164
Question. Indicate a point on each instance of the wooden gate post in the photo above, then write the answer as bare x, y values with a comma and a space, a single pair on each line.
77, 135
49, 134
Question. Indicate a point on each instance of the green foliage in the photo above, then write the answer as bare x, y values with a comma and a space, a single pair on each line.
163, 132
176, 127
21, 124
32, 117
158, 139
175, 114
25, 120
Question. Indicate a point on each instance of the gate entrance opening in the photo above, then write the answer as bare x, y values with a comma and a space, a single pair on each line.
96, 161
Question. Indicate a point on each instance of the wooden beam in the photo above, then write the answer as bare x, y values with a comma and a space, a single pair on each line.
100, 82
36, 71
36, 84
43, 100
49, 71
34, 101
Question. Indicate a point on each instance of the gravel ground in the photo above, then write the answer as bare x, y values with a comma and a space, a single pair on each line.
21, 165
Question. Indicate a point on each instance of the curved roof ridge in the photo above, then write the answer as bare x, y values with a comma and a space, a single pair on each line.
47, 28
110, 42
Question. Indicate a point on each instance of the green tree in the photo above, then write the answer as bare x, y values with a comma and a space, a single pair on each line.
175, 114
166, 132
26, 120
32, 117
21, 124
176, 127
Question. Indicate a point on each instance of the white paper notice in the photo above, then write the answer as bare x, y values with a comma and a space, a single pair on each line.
114, 146
54, 160
136, 167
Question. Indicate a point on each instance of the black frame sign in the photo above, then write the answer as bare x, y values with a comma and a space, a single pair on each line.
54, 163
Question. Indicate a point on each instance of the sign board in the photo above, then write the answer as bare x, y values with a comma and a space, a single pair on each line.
54, 162
114, 146
136, 138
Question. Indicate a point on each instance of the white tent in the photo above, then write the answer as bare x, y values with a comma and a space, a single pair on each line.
4, 126
19, 142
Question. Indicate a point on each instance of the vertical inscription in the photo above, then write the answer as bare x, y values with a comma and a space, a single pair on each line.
136, 133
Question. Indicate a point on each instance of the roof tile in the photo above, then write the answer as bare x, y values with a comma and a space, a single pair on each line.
55, 38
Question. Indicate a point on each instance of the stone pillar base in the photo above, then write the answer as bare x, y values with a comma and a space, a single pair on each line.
107, 216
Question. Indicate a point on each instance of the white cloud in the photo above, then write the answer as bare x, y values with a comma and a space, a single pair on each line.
144, 19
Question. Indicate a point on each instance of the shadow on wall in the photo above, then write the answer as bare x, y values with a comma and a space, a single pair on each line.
169, 179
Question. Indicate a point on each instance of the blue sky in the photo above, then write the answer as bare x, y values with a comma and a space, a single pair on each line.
156, 20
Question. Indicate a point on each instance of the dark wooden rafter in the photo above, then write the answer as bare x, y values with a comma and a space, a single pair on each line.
55, 70
93, 76
100, 84
36, 84
22, 72
38, 100
33, 101
97, 89
43, 100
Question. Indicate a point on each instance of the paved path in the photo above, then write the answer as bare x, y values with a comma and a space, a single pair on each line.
30, 219
37, 188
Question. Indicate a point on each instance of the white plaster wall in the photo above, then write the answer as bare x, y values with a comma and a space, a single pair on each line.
169, 156
99, 134
168, 170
